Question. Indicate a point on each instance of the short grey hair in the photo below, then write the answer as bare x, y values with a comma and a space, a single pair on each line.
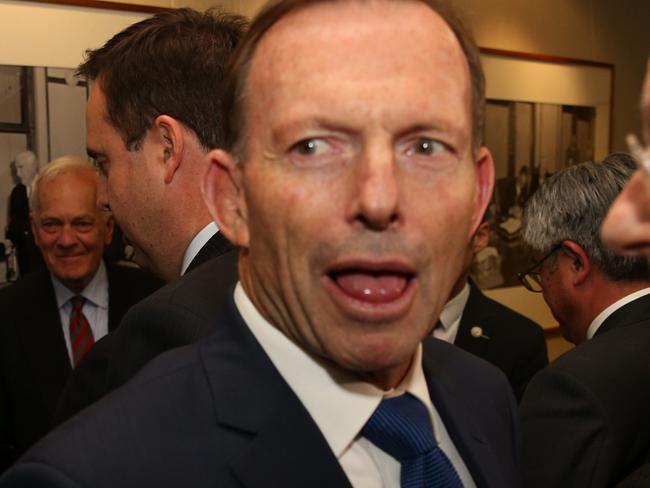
59, 166
572, 204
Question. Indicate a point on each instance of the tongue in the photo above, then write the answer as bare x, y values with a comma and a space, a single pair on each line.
374, 288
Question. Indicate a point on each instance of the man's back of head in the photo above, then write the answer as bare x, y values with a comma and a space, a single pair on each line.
154, 111
561, 223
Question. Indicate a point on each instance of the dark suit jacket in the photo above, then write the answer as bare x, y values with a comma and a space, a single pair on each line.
218, 413
585, 417
638, 479
514, 343
144, 334
34, 362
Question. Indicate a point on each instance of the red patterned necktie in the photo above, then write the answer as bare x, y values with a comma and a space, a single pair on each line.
81, 336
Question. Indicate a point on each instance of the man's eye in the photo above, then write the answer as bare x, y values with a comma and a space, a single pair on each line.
83, 226
426, 147
310, 147
101, 165
50, 226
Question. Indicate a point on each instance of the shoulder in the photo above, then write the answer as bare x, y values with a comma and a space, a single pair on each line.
196, 294
504, 317
618, 349
25, 288
607, 369
171, 392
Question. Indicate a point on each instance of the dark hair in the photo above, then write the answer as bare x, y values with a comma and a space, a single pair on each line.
572, 205
277, 9
170, 64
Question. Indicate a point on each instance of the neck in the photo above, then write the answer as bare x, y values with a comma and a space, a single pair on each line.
604, 292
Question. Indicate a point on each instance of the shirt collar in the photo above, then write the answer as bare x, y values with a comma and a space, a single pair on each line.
95, 292
338, 401
602, 316
197, 244
453, 309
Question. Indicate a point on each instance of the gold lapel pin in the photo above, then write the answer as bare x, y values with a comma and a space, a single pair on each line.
477, 332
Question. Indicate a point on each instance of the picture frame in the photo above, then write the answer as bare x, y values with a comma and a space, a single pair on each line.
554, 83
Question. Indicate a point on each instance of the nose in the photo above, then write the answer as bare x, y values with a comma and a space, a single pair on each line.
626, 229
102, 194
67, 237
377, 199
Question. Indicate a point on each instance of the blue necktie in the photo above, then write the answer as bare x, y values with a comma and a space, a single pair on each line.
401, 427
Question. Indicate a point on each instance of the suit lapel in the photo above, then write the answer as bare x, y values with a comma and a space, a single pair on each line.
474, 316
285, 444
42, 341
290, 450
629, 314
460, 423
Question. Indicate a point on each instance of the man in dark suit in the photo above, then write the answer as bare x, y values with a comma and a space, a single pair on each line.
626, 228
37, 348
161, 212
585, 415
345, 262
490, 330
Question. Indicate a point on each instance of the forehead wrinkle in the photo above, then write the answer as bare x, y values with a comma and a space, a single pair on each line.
352, 53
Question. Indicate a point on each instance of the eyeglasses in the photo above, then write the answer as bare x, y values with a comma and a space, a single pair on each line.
531, 278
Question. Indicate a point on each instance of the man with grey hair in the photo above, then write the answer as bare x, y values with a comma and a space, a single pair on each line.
585, 415
51, 318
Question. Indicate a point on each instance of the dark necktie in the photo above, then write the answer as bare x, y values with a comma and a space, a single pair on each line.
81, 335
401, 427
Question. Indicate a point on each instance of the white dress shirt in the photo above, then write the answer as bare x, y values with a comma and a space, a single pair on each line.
341, 404
451, 315
602, 316
196, 244
95, 307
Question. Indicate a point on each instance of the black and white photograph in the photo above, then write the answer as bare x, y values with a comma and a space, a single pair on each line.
42, 117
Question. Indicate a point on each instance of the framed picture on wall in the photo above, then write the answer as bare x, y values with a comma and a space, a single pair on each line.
543, 114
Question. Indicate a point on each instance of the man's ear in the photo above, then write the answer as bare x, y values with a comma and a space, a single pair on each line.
580, 264
484, 185
171, 134
481, 237
224, 195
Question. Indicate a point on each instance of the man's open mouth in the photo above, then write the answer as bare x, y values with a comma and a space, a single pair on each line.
372, 285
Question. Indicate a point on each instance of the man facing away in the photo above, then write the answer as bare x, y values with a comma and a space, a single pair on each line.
585, 416
153, 114
315, 374
490, 330
51, 318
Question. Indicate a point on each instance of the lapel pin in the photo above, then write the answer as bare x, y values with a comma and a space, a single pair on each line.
477, 333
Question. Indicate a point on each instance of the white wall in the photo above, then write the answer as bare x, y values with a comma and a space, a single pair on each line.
36, 34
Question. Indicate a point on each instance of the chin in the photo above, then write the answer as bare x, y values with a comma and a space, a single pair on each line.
378, 357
